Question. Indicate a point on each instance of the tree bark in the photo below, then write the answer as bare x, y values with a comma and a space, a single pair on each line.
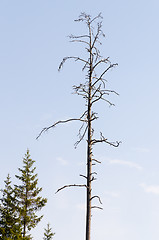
89, 148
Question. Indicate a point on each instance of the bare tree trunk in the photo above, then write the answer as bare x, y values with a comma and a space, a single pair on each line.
89, 189
89, 147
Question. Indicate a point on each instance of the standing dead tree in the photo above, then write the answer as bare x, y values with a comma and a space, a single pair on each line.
92, 90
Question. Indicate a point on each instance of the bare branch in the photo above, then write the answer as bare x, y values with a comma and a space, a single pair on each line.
103, 139
110, 103
100, 96
111, 66
83, 176
56, 123
93, 179
95, 160
80, 41
99, 25
85, 112
83, 17
81, 137
75, 58
96, 90
96, 197
76, 37
111, 91
93, 173
97, 207
71, 185
105, 60
98, 16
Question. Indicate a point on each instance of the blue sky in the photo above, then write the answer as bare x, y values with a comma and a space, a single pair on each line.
33, 94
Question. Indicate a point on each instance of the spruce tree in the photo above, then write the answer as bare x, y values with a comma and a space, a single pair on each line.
48, 234
9, 221
28, 199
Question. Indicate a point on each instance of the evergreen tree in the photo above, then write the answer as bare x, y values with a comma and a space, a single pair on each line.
9, 222
28, 199
48, 234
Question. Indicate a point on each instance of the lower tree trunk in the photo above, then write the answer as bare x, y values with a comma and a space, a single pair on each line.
89, 176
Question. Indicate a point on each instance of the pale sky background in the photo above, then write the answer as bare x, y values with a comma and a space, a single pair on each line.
33, 94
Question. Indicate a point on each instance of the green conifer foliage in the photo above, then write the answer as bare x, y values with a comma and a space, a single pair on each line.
28, 199
48, 234
9, 221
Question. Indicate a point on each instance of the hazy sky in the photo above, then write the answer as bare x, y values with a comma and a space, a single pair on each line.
33, 94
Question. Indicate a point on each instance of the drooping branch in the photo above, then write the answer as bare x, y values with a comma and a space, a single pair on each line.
95, 160
71, 185
81, 137
96, 197
59, 122
100, 95
81, 175
75, 58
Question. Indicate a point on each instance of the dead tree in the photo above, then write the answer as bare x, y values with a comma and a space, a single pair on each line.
92, 90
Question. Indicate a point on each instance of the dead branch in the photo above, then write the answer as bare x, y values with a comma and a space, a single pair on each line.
105, 60
76, 37
80, 41
110, 103
96, 197
93, 179
103, 139
96, 90
81, 137
99, 31
110, 91
93, 173
71, 185
95, 160
103, 73
81, 175
58, 122
100, 97
102, 80
75, 58
97, 207
98, 16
